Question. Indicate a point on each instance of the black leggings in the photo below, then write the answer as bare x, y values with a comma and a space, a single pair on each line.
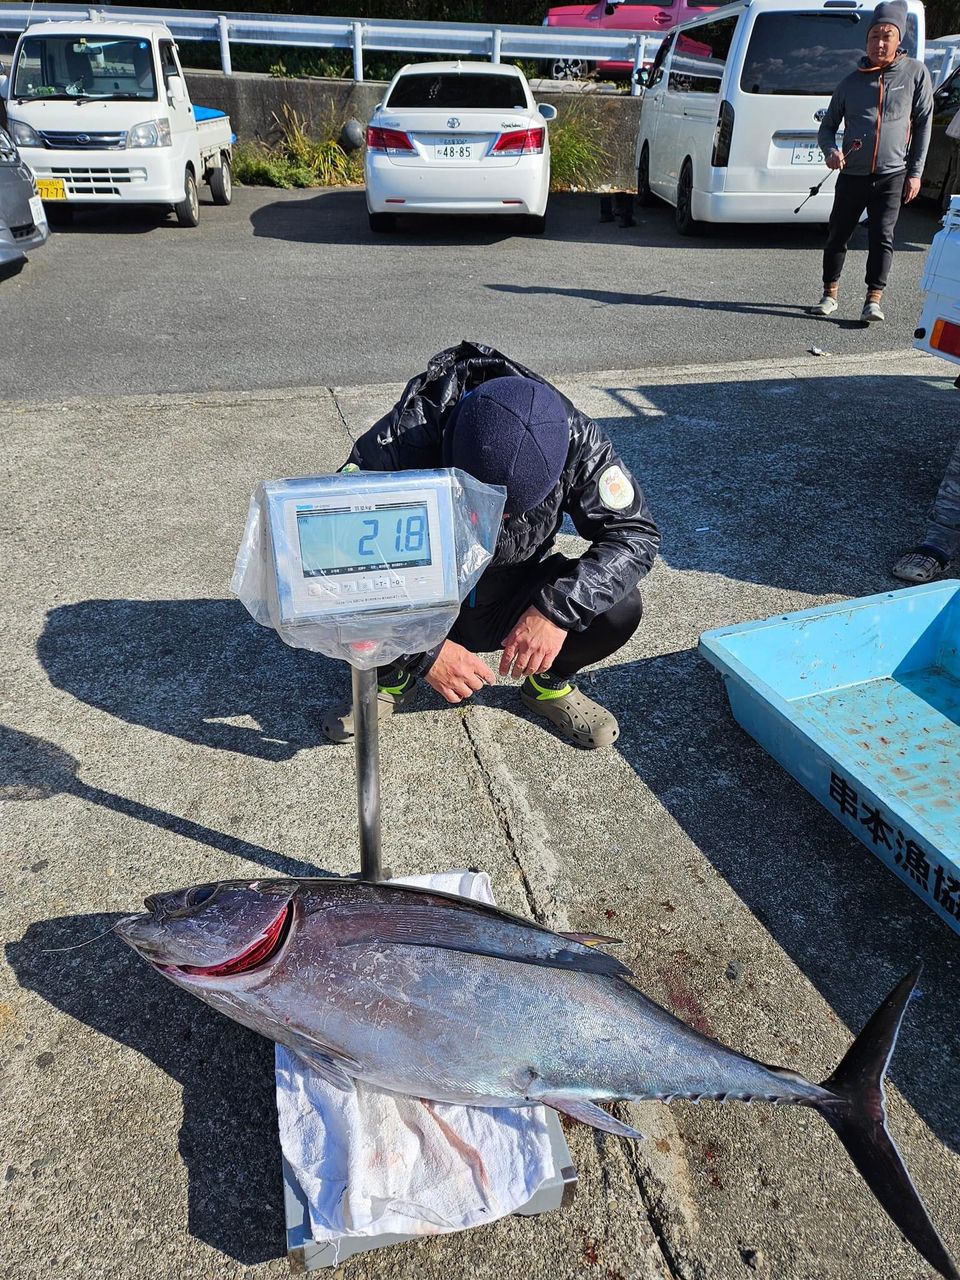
882, 197
499, 599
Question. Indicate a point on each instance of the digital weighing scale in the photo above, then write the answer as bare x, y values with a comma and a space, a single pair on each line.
368, 566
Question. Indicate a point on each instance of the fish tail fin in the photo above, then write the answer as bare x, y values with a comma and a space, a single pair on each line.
857, 1114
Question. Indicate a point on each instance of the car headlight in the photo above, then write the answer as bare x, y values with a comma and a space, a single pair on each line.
23, 135
8, 152
151, 133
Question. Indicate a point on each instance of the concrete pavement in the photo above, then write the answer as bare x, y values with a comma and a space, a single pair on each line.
153, 735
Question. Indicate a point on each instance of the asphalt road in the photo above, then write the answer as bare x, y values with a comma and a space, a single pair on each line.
287, 289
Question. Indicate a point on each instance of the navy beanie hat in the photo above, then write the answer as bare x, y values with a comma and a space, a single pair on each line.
515, 432
894, 11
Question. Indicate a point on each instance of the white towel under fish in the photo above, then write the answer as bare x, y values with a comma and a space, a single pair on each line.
371, 1162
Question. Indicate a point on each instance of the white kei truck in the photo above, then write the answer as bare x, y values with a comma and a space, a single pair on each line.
100, 111
938, 330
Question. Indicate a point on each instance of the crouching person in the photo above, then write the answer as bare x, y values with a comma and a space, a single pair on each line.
551, 615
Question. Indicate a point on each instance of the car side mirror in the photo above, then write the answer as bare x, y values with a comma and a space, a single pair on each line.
547, 110
176, 89
642, 77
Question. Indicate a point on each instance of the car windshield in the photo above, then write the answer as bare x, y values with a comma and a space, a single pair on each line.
807, 53
118, 67
456, 91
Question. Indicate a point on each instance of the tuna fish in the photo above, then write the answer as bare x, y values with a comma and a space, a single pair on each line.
446, 999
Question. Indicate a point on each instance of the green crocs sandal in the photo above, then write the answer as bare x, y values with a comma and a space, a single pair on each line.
337, 723
577, 717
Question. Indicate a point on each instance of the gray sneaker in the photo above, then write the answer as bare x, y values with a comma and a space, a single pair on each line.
577, 717
871, 313
826, 306
918, 565
337, 723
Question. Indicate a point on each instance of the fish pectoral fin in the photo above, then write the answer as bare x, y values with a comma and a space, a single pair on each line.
589, 1113
592, 939
327, 1063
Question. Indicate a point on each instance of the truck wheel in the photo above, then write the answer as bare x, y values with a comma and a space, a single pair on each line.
221, 182
188, 210
686, 224
645, 196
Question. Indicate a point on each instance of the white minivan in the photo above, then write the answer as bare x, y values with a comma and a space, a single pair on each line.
733, 101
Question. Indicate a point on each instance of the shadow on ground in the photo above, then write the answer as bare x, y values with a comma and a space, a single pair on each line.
200, 670
229, 1107
779, 482
32, 769
339, 216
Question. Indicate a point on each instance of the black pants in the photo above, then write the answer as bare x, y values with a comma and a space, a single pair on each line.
499, 599
882, 197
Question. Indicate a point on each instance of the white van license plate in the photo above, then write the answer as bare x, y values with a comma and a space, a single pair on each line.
806, 153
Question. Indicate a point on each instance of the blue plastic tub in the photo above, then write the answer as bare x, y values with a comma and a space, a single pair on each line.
860, 701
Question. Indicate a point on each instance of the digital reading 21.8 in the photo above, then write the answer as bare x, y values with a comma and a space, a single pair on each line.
391, 536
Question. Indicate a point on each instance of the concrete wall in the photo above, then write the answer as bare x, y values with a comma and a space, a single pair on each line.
253, 100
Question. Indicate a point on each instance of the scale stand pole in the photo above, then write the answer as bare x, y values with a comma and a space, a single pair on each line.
367, 740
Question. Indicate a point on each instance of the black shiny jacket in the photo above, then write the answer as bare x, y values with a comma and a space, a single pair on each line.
623, 542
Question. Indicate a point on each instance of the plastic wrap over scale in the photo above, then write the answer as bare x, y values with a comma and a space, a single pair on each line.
319, 609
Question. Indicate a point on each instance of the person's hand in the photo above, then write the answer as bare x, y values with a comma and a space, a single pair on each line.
457, 673
836, 160
911, 189
532, 645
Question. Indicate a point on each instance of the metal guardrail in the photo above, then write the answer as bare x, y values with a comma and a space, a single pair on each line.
454, 39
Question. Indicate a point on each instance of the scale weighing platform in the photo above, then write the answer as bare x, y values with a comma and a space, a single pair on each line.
365, 567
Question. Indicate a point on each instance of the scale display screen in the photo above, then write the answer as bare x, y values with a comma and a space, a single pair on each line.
339, 540
363, 543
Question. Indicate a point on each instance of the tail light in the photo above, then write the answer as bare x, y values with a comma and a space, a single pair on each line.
724, 136
521, 142
392, 141
946, 338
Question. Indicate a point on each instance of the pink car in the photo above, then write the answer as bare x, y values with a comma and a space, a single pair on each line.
617, 15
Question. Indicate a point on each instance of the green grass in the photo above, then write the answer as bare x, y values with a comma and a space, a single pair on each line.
299, 157
578, 158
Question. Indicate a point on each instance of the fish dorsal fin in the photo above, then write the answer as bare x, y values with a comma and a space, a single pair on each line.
393, 915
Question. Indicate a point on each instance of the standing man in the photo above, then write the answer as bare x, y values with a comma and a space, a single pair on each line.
885, 107
551, 615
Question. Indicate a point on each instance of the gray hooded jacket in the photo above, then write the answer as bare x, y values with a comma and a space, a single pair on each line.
889, 111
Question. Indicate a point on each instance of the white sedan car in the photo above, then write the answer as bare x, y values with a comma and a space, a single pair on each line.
458, 137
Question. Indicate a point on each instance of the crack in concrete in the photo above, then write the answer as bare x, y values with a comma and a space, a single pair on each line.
665, 1193
341, 415
667, 1201
501, 810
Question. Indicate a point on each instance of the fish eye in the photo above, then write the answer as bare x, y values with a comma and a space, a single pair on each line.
200, 895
